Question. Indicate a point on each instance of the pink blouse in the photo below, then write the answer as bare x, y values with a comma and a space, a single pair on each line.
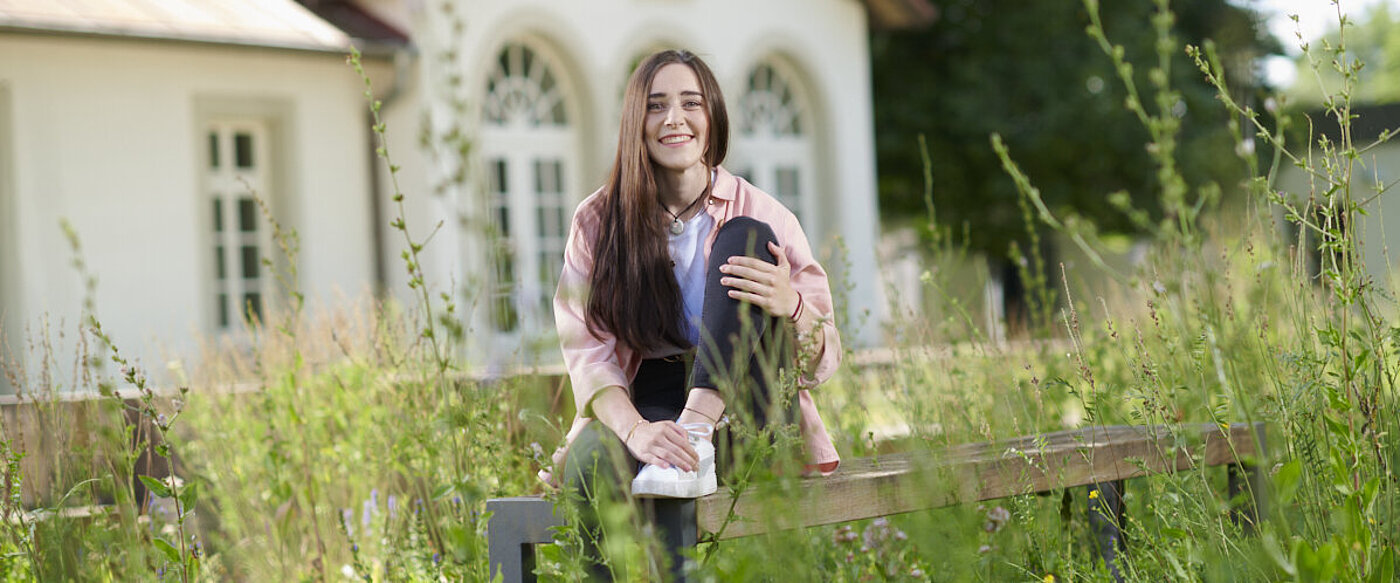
595, 363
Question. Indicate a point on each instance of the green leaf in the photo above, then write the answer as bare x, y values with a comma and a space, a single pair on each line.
170, 551
1175, 533
157, 487
1384, 569
442, 492
188, 496
1288, 479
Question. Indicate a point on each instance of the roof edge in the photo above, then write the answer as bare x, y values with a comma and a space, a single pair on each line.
900, 14
136, 35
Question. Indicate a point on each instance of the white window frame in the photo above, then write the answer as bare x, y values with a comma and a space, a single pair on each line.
775, 133
229, 208
536, 124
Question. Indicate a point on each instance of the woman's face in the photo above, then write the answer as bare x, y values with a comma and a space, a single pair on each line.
676, 123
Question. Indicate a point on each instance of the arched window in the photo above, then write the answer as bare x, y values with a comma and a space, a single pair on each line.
528, 144
775, 147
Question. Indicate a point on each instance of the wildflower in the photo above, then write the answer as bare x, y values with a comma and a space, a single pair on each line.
437, 558
393, 503
1093, 494
1049, 578
850, 557
347, 570
916, 572
996, 518
984, 549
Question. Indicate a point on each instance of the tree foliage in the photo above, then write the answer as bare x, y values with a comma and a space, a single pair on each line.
1029, 72
1373, 38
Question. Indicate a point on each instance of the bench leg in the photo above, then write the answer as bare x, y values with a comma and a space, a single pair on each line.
675, 519
515, 527
1105, 521
1246, 479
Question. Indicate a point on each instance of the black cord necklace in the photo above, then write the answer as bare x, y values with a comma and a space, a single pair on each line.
677, 225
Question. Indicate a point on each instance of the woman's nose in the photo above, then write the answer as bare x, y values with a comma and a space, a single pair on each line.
673, 117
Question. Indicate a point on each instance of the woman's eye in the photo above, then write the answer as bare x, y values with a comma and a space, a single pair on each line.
692, 104
655, 107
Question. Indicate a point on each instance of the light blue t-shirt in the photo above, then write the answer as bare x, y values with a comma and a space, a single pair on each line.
688, 262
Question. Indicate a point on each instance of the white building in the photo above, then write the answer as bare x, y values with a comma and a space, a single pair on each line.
149, 124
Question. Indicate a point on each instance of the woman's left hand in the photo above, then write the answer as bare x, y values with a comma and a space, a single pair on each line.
761, 283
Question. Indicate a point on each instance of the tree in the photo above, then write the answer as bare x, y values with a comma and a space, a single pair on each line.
1028, 71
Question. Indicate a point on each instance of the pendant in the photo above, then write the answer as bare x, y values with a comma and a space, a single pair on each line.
677, 227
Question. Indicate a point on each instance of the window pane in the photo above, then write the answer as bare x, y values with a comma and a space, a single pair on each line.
250, 262
252, 302
213, 150
220, 268
218, 214
223, 310
243, 150
247, 215
787, 182
498, 176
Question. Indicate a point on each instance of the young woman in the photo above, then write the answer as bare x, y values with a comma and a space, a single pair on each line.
684, 288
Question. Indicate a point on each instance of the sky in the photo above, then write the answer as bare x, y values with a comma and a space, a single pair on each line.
1314, 18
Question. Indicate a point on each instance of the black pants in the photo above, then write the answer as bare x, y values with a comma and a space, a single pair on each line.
741, 350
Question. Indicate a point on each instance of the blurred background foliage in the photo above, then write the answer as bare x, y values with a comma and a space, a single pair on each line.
1028, 72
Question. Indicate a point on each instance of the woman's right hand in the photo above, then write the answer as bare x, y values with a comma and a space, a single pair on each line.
664, 444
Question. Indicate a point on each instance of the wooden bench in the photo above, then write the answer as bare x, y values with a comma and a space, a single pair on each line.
1098, 457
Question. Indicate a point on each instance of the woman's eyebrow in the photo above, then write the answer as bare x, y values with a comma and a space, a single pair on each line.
683, 94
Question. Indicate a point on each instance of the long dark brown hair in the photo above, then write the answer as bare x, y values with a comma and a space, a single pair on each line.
634, 294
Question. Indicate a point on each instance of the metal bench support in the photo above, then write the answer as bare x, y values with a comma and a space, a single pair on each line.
1106, 522
515, 527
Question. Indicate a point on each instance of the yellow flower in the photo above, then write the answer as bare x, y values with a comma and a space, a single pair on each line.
1092, 495
1049, 578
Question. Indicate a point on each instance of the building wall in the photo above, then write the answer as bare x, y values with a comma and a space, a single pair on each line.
594, 43
109, 134
10, 337
1382, 217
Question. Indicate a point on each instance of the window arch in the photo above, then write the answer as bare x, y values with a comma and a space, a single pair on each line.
529, 149
775, 146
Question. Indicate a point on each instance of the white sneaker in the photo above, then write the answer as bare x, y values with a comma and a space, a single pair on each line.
673, 482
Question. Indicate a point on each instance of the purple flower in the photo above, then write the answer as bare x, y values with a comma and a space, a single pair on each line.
393, 507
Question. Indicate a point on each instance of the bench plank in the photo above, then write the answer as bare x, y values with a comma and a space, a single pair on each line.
899, 483
894, 484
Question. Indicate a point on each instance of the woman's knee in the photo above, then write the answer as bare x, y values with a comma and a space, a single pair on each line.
744, 236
